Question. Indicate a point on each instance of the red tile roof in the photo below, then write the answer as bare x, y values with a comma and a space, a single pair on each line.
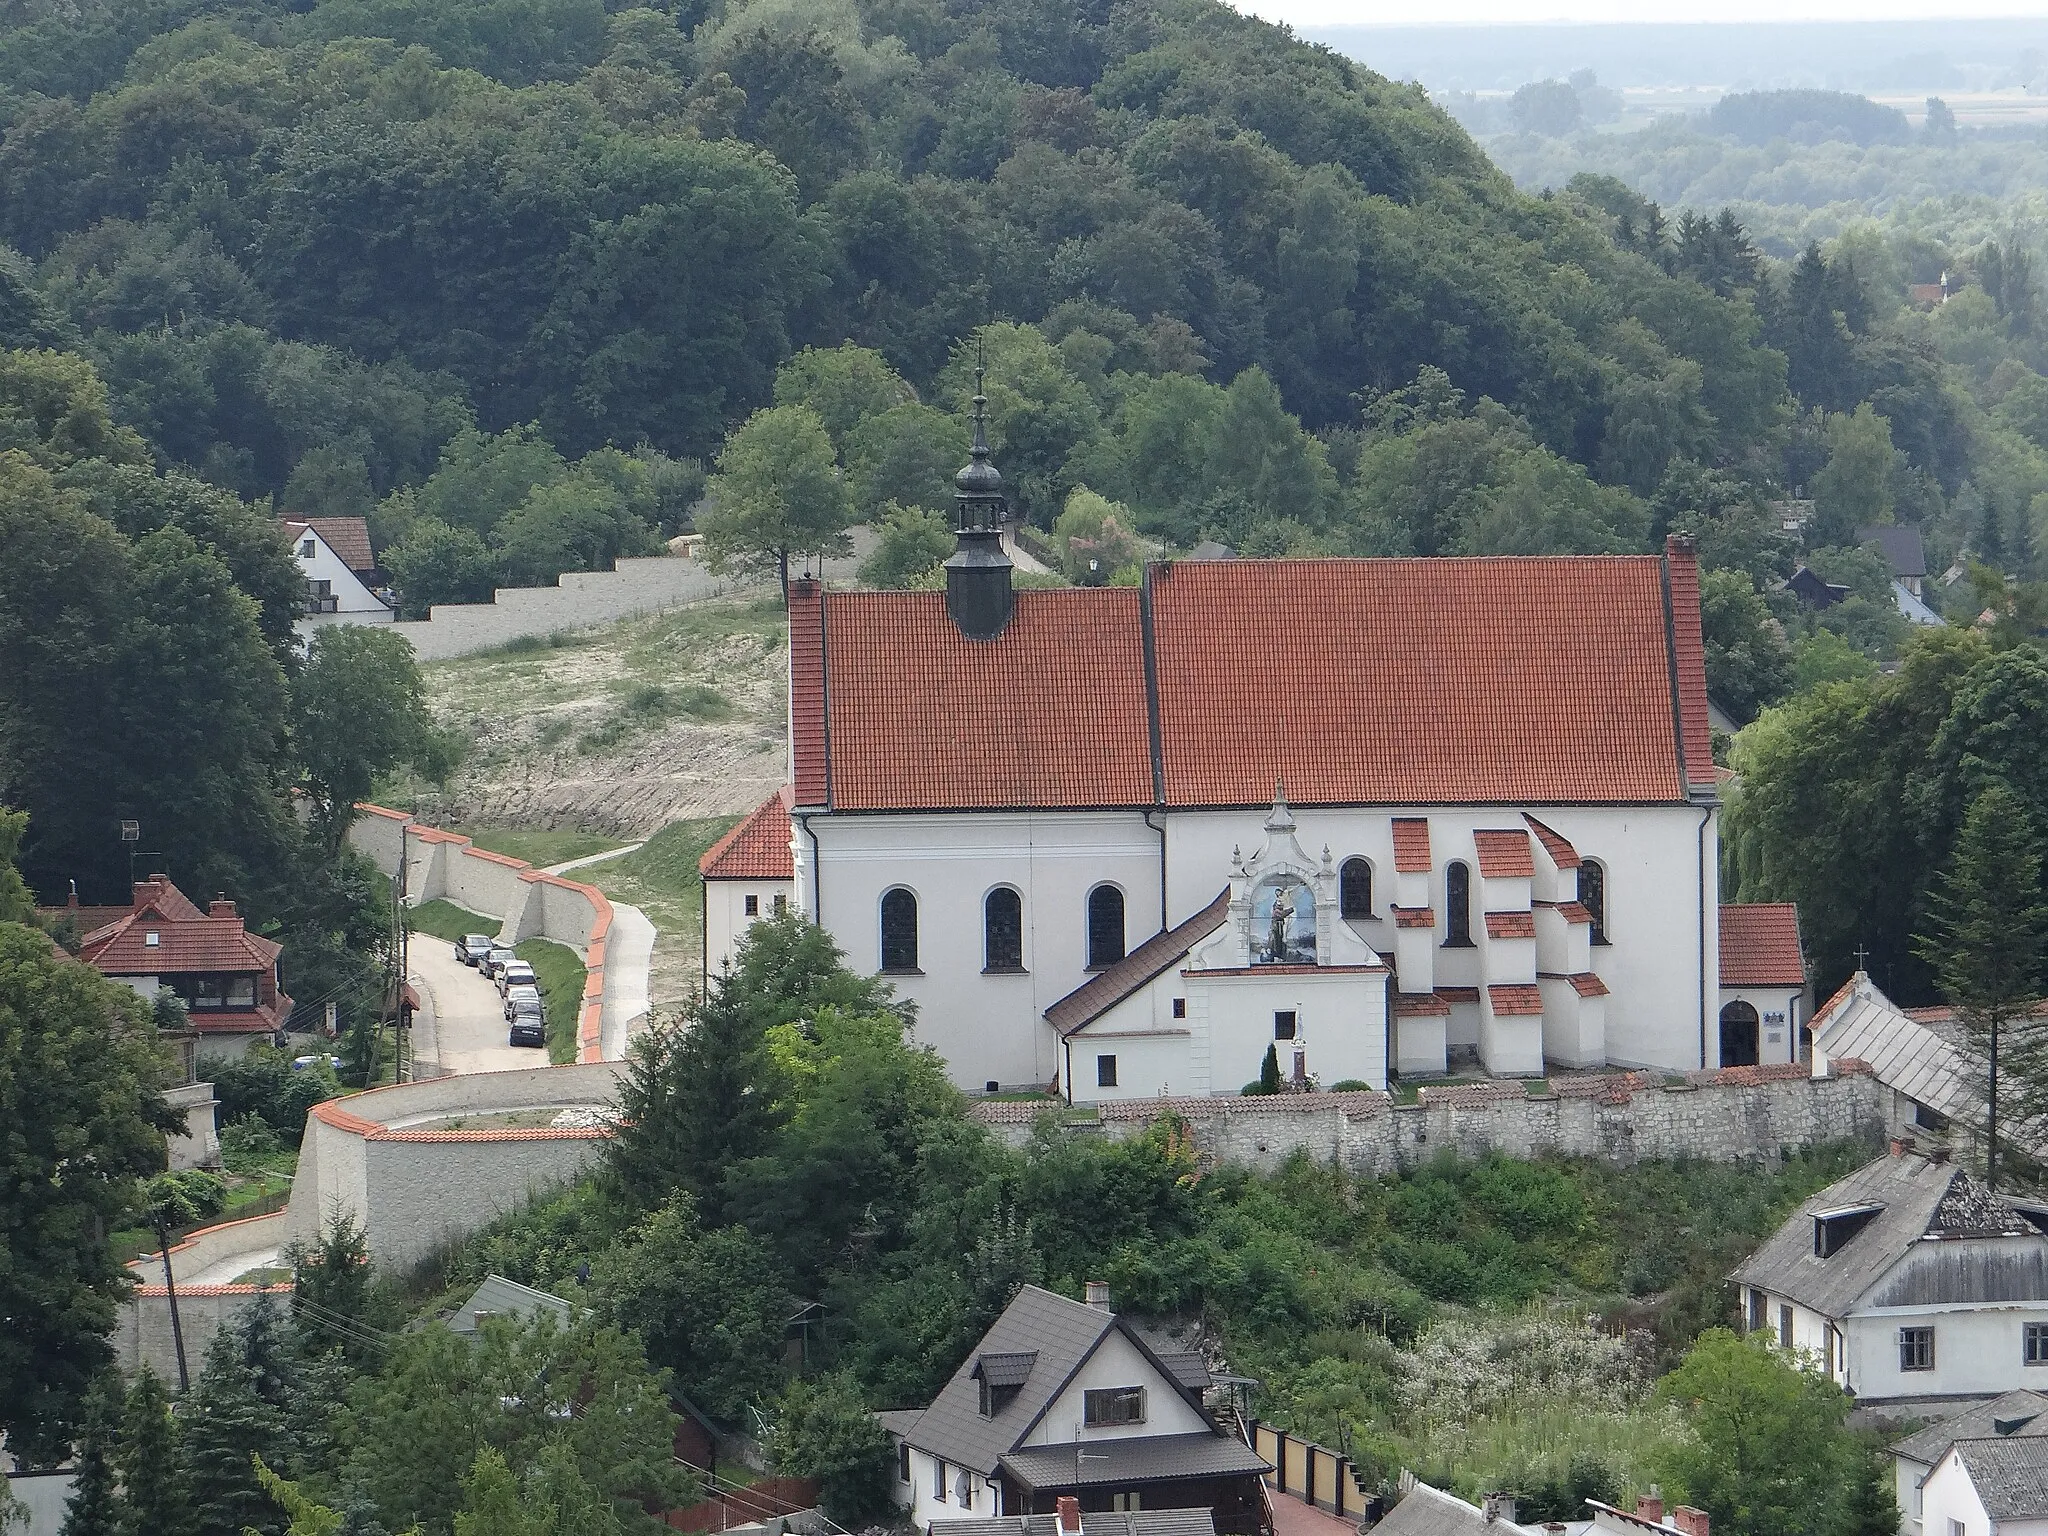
1411, 845
348, 537
1682, 563
1760, 945
1414, 917
191, 942
1562, 853
1496, 680
756, 849
1512, 999
1504, 855
1511, 925
1420, 1005
1585, 983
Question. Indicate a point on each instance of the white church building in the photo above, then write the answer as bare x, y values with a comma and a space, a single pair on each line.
1380, 816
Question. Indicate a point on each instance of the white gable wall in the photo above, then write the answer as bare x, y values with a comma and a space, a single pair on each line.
1117, 1362
726, 918
1950, 1498
354, 603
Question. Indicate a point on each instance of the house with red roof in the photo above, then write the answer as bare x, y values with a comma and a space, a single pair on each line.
1766, 998
226, 976
1378, 816
342, 578
748, 874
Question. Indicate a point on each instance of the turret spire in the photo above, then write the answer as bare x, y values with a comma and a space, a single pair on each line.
978, 595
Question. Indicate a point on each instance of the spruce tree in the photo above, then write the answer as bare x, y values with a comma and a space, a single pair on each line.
1269, 1071
1983, 943
152, 1470
95, 1507
227, 1423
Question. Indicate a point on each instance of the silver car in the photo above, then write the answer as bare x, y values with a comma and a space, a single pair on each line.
522, 1000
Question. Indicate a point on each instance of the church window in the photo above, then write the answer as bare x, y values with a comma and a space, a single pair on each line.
1283, 1024
1593, 897
1458, 907
1105, 1071
1002, 930
753, 904
1354, 889
1105, 926
1180, 1007
899, 930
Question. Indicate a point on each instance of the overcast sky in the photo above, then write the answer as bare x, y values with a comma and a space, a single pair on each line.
1325, 13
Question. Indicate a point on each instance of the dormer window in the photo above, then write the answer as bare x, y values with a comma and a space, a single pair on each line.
1001, 1377
1832, 1230
152, 939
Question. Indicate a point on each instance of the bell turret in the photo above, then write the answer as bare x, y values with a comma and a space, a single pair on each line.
978, 593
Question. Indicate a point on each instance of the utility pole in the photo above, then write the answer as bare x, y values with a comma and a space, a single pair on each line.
404, 948
163, 1243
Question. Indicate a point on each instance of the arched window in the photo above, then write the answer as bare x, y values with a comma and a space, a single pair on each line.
1739, 1047
1457, 907
1105, 926
899, 930
1002, 930
1354, 889
1593, 897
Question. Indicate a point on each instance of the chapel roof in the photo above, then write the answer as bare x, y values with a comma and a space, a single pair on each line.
757, 848
1760, 945
1528, 680
1151, 959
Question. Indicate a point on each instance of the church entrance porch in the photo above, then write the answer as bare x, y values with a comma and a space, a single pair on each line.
1741, 1045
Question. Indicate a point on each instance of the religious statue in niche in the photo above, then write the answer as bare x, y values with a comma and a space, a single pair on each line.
1283, 921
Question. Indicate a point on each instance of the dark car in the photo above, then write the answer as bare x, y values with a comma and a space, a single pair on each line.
471, 948
528, 1029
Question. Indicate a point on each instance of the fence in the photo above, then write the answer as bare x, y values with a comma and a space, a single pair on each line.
726, 1504
1308, 1472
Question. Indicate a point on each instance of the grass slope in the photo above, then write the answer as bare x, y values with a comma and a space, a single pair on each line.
540, 847
661, 880
561, 992
445, 920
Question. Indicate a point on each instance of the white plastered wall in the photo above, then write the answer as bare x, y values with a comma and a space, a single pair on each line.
726, 918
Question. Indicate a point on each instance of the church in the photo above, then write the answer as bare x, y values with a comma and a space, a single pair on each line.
1381, 817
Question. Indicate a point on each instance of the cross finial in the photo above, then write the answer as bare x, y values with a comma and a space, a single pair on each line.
1862, 955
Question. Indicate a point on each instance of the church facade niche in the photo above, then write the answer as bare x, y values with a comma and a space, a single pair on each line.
1283, 921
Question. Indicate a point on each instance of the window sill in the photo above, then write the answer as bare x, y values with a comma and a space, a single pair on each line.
1601, 943
1459, 944
1004, 970
1096, 970
900, 970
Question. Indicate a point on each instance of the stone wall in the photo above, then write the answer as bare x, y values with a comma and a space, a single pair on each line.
528, 904
579, 600
1732, 1115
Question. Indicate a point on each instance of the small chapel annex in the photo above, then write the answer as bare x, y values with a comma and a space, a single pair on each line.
1380, 816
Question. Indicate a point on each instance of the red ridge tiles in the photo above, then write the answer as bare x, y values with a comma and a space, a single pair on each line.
1760, 945
1561, 852
1513, 999
1504, 855
756, 849
1511, 925
1411, 845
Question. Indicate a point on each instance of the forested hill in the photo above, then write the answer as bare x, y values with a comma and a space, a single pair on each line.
322, 238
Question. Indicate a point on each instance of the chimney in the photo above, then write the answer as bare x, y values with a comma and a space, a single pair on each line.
1901, 1145
978, 595
1689, 1520
1499, 1506
1650, 1507
1098, 1294
1070, 1515
1937, 1155
220, 906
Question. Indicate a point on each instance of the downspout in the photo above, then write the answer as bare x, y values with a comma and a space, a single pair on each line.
1160, 828
817, 893
1706, 816
1067, 1051
1152, 727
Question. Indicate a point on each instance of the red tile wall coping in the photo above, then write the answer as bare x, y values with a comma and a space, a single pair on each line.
282, 1288
590, 1016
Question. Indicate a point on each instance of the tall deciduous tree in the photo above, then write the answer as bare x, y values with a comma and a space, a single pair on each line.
777, 495
80, 1080
358, 711
1984, 941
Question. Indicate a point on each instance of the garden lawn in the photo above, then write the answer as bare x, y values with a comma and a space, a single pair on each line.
561, 977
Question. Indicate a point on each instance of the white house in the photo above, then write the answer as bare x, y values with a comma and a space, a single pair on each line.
1501, 800
2020, 1413
1907, 1282
1993, 1487
1766, 1000
748, 874
334, 553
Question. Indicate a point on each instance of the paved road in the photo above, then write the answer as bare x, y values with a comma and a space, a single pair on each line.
469, 1029
628, 962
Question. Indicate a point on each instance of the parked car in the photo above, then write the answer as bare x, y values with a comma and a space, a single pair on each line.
528, 1029
522, 999
471, 948
300, 1063
517, 974
499, 957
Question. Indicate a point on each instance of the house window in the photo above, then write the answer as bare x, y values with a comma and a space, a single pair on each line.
995, 1399
1105, 1071
1283, 1024
939, 1481
2036, 1343
1957, 1528
781, 905
206, 992
1785, 1325
1103, 1407
1593, 897
1758, 1311
1122, 1502
1916, 1349
899, 931
1180, 1007
1458, 907
306, 548
240, 992
753, 906
902, 1461
1105, 926
1354, 889
1002, 930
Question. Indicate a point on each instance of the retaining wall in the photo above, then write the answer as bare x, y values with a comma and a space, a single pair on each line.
1732, 1115
528, 904
579, 600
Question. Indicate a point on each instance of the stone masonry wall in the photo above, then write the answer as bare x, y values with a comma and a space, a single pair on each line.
580, 600
1732, 1115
